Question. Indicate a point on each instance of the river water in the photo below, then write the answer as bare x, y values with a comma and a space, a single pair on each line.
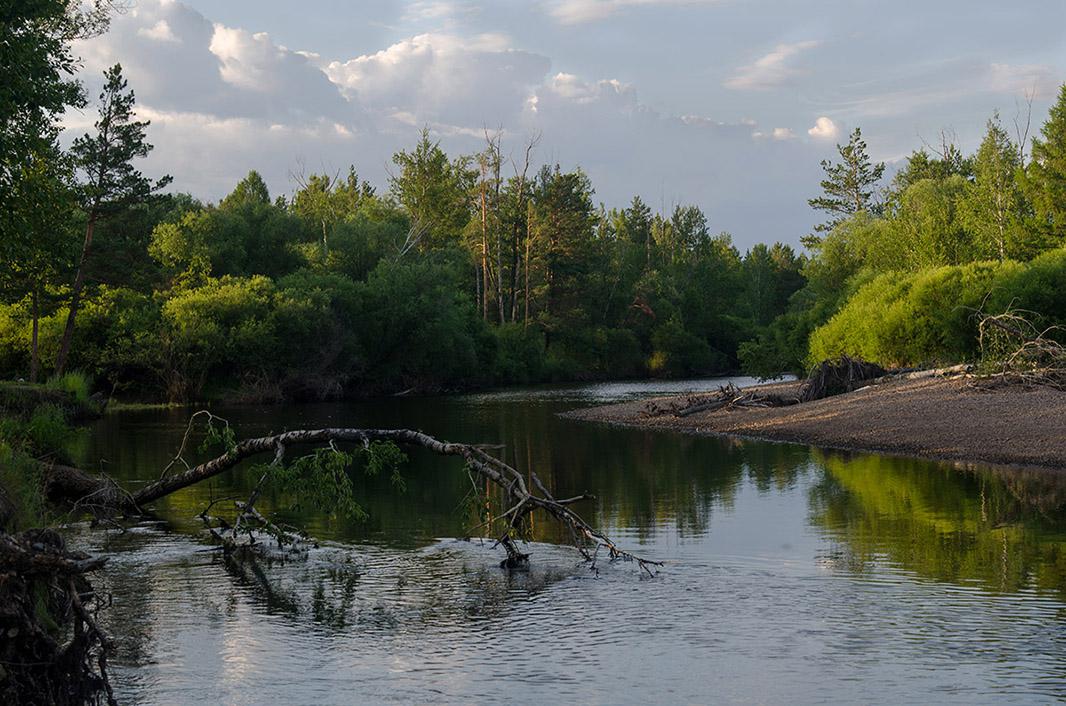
793, 575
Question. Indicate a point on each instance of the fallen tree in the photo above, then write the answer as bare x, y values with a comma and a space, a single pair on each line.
101, 495
54, 650
1016, 351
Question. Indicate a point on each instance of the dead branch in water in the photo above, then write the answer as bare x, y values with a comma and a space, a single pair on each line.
521, 500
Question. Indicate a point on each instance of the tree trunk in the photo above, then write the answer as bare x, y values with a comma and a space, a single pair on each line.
484, 252
35, 356
529, 236
75, 296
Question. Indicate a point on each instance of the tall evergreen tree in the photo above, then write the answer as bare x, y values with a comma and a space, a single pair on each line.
848, 186
1045, 178
111, 184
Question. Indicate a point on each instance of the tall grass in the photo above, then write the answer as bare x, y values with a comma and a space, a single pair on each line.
75, 383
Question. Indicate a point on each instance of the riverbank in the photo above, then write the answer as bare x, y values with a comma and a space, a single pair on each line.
935, 418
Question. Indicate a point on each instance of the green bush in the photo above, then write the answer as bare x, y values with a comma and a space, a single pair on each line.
519, 354
929, 317
676, 352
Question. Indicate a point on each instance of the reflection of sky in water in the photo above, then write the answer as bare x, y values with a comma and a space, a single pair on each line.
606, 392
793, 576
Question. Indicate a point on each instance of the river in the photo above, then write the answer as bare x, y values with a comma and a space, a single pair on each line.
793, 575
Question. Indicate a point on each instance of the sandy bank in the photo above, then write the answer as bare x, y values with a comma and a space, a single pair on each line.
937, 418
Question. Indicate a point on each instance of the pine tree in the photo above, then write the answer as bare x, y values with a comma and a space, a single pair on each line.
848, 186
1045, 178
110, 183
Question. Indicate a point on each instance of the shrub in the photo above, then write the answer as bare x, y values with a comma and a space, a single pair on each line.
519, 354
928, 317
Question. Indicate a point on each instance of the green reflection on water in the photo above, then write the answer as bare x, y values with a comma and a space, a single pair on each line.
997, 530
1001, 530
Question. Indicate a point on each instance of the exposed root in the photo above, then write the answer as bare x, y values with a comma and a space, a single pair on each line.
52, 650
836, 377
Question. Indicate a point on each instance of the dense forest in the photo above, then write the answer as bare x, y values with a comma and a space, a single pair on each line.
480, 269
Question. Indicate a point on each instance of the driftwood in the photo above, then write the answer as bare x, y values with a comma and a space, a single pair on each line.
100, 492
828, 378
1014, 351
835, 377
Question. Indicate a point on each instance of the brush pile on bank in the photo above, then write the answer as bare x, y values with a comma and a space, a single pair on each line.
1015, 351
828, 378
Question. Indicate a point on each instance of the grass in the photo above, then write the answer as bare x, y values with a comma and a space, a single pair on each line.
74, 383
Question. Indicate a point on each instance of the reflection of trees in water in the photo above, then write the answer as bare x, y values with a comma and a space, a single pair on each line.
642, 480
386, 592
1002, 529
163, 581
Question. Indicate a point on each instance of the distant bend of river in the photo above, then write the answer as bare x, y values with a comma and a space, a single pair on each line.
793, 575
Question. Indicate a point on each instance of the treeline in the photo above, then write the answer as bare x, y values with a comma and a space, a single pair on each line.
897, 274
471, 270
478, 269
454, 277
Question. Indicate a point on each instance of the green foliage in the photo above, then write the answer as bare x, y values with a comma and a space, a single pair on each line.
218, 435
21, 483
994, 208
112, 184
435, 191
75, 383
848, 187
1045, 176
38, 68
385, 457
928, 317
677, 352
322, 479
519, 354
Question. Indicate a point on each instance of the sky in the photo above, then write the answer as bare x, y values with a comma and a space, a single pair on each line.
726, 104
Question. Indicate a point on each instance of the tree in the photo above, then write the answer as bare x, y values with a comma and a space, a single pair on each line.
37, 225
435, 191
993, 207
38, 69
323, 201
562, 227
1045, 177
111, 183
848, 185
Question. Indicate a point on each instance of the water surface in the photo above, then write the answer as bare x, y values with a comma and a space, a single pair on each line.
793, 575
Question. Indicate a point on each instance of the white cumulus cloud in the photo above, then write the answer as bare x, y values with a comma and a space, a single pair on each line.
824, 129
771, 70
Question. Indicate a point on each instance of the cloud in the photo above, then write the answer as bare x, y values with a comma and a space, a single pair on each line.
824, 129
460, 81
242, 101
160, 32
581, 11
209, 68
947, 83
771, 70
435, 11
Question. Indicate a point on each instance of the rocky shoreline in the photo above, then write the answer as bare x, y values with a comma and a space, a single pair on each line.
947, 419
